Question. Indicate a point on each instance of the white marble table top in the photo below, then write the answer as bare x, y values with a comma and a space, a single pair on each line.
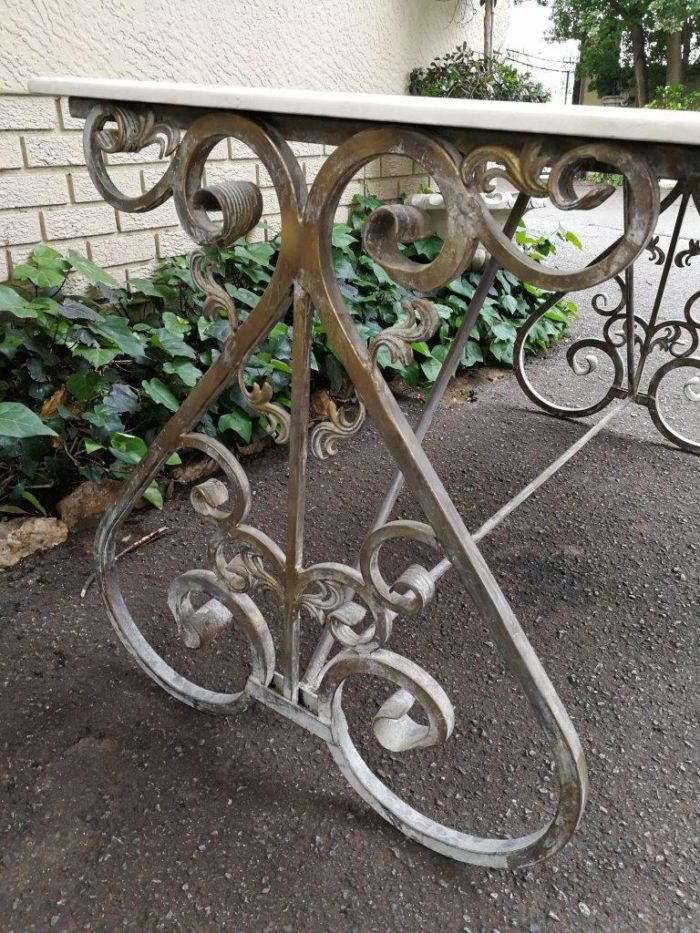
631, 124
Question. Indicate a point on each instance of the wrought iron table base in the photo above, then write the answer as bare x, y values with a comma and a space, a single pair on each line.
355, 606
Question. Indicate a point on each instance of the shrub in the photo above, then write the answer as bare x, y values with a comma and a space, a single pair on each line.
675, 97
87, 381
461, 73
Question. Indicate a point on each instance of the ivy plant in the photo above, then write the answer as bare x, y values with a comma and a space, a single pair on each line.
88, 379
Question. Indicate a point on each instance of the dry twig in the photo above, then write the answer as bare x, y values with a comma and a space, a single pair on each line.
151, 536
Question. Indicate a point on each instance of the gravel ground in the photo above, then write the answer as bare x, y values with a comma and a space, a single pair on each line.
123, 808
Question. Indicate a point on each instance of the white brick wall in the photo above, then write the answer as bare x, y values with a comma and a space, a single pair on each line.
10, 151
19, 227
46, 194
87, 220
47, 151
115, 251
27, 113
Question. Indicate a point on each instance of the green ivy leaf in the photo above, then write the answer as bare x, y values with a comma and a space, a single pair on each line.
173, 346
177, 326
422, 348
243, 295
48, 277
378, 271
571, 237
431, 369
105, 420
342, 238
237, 421
412, 374
16, 420
117, 330
12, 301
280, 366
11, 344
47, 255
344, 268
461, 287
32, 499
122, 399
472, 355
92, 272
128, 448
504, 330
187, 372
46, 268
96, 357
153, 290
85, 386
502, 350
509, 303
429, 247
77, 311
154, 495
91, 446
257, 254
160, 394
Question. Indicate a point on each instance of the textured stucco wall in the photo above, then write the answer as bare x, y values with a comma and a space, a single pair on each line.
45, 193
354, 45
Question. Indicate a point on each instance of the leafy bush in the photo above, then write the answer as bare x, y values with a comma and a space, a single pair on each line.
87, 381
461, 73
675, 97
613, 179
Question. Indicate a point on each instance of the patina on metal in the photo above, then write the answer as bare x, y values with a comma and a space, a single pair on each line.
355, 607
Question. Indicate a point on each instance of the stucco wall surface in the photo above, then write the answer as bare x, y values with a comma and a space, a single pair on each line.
45, 192
354, 45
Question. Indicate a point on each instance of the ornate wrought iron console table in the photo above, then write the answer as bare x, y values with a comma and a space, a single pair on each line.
462, 146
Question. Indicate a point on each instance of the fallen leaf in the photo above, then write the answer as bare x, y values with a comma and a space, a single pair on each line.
319, 404
50, 406
21, 537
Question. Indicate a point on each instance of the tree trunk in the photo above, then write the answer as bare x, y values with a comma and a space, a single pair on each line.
674, 58
641, 78
488, 28
687, 43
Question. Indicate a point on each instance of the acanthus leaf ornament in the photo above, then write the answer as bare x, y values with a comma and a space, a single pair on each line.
418, 321
257, 398
340, 425
685, 256
134, 130
656, 253
523, 169
216, 298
